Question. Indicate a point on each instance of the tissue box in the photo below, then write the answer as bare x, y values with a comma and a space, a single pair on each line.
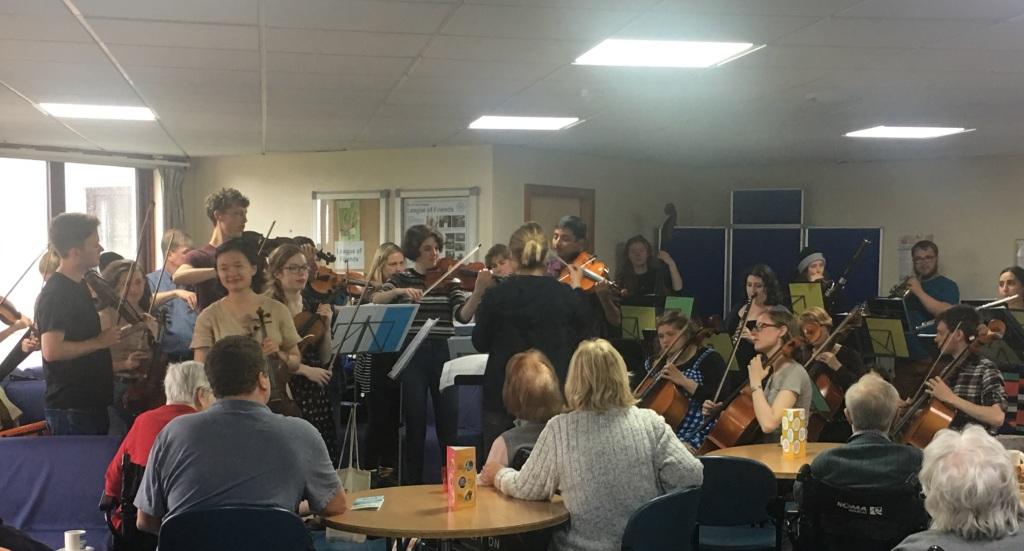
460, 479
794, 433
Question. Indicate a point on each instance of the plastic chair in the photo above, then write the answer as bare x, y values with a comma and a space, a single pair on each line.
235, 528
739, 507
857, 520
665, 523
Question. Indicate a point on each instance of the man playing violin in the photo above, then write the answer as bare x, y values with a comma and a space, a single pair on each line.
568, 242
978, 393
227, 212
76, 353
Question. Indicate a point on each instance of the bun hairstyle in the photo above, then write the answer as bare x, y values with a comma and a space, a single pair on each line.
529, 246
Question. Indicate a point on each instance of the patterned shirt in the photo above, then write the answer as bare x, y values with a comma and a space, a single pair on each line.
979, 382
688, 431
440, 305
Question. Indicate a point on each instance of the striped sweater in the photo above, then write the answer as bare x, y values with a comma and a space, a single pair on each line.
440, 305
606, 465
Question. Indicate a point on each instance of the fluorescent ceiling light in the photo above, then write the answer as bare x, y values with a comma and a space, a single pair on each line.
664, 53
108, 112
495, 122
906, 132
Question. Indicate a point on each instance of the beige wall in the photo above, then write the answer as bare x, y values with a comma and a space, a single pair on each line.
970, 205
280, 186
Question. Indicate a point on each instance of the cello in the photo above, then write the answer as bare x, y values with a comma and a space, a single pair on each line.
833, 394
928, 415
661, 395
737, 422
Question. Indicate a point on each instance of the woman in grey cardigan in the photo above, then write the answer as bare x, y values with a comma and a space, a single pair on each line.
605, 456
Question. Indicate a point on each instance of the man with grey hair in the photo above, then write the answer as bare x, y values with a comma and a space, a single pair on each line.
971, 493
868, 460
187, 391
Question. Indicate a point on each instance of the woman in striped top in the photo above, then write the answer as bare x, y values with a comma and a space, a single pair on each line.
423, 246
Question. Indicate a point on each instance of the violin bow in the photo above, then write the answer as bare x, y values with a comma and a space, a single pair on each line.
132, 268
3, 299
266, 236
856, 313
160, 278
451, 270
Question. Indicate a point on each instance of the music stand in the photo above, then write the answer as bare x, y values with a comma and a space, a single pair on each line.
888, 337
636, 320
803, 296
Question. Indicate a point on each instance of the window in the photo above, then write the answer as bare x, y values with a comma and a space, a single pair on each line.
108, 193
23, 194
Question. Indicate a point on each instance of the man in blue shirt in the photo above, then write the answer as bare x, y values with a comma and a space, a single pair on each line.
181, 310
929, 293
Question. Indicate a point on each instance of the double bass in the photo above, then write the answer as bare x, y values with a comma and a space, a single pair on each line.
657, 393
927, 415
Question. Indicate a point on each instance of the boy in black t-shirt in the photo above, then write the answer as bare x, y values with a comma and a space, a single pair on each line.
76, 353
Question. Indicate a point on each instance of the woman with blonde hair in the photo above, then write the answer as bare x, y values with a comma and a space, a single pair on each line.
606, 456
528, 310
532, 396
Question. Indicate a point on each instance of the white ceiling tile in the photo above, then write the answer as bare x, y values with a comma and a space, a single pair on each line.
726, 28
185, 58
337, 64
356, 15
810, 8
183, 35
1004, 36
58, 29
59, 52
127, 136
239, 12
464, 69
280, 82
45, 81
33, 7
577, 4
344, 42
936, 9
816, 57
526, 22
506, 49
879, 32
934, 59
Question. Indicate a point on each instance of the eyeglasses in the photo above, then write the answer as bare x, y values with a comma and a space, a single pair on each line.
297, 269
759, 327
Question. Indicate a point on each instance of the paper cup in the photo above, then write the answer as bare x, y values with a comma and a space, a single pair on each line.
794, 432
73, 540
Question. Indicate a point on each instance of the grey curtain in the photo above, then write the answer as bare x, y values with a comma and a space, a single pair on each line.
174, 198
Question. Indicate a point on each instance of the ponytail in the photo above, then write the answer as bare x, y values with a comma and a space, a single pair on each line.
529, 245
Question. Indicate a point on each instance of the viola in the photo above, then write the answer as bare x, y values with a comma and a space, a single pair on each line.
737, 423
327, 282
280, 400
661, 395
927, 415
311, 328
147, 392
594, 272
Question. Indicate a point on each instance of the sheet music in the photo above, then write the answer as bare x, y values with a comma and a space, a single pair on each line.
474, 364
410, 350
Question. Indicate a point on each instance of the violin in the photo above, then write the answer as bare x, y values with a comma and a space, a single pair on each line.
927, 415
661, 395
737, 422
449, 274
594, 271
147, 392
9, 314
327, 282
280, 400
108, 295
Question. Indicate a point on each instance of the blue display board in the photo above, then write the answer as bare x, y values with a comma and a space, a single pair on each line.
768, 206
776, 247
699, 253
838, 245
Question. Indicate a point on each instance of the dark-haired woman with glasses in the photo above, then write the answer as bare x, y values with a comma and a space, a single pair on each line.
787, 385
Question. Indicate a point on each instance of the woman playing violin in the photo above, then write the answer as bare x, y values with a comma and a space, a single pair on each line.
289, 271
1011, 282
787, 385
423, 246
239, 270
696, 370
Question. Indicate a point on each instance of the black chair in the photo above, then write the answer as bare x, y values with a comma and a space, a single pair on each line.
520, 457
739, 507
235, 529
127, 537
665, 523
863, 520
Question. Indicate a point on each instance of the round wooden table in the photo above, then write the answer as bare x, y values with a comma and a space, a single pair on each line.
422, 512
771, 455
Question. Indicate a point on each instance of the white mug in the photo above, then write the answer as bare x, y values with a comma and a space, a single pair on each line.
73, 540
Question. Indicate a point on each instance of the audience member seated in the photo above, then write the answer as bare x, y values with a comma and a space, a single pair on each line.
971, 493
868, 460
187, 391
532, 396
237, 452
606, 456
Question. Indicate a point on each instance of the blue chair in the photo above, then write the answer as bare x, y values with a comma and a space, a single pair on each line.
665, 523
739, 507
235, 528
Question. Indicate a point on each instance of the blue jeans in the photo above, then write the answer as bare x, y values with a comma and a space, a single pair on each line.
68, 422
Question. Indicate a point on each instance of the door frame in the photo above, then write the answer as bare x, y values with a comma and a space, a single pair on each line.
586, 197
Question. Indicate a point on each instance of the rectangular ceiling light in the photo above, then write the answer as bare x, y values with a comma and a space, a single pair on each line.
906, 132
664, 53
495, 122
106, 112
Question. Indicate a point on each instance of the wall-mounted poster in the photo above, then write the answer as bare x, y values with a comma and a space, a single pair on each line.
347, 220
452, 213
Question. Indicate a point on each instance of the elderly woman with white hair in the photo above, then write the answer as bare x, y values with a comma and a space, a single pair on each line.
606, 456
971, 493
187, 391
